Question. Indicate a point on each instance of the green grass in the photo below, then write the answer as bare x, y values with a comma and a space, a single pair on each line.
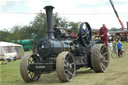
116, 75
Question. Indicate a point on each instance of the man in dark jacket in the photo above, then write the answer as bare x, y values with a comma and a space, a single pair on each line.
103, 34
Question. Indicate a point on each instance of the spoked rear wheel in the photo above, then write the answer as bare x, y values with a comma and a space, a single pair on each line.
29, 76
65, 66
100, 58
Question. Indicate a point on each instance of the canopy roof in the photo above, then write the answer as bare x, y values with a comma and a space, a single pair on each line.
8, 44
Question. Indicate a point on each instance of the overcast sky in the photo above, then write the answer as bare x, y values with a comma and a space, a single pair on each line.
96, 12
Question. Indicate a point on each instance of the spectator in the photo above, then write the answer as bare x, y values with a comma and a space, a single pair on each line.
110, 45
114, 46
103, 34
119, 46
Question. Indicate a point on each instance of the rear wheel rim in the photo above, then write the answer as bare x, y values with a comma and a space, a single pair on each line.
104, 59
100, 58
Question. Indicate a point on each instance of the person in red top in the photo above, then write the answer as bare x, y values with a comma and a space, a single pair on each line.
103, 34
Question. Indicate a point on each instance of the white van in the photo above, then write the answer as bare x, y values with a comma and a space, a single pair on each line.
9, 51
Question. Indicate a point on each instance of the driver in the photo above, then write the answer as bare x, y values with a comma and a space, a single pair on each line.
103, 34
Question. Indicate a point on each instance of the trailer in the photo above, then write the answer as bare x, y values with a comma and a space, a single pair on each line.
26, 43
10, 51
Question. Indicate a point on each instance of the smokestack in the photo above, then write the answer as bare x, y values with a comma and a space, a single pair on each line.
49, 10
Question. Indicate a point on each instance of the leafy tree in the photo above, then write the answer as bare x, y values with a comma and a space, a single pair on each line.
16, 33
74, 27
4, 35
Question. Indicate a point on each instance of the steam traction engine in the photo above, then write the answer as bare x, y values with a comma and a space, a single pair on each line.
64, 55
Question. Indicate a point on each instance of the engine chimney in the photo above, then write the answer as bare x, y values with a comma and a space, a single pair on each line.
49, 10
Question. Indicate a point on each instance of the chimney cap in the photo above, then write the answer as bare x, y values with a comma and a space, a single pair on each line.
48, 7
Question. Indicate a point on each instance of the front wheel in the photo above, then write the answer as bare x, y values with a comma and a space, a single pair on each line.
29, 76
65, 66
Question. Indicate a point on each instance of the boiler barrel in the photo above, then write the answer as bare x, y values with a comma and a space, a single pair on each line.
52, 47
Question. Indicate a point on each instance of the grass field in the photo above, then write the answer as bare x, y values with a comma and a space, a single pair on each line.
116, 75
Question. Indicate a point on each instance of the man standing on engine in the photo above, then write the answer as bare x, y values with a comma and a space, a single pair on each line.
103, 34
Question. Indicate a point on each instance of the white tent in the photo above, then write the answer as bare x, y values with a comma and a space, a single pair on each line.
10, 50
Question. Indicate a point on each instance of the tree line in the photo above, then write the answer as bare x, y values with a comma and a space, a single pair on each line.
36, 29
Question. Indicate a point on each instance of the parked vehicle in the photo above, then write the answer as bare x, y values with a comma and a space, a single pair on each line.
65, 54
10, 51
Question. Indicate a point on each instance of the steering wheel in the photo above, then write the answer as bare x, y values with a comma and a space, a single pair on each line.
85, 34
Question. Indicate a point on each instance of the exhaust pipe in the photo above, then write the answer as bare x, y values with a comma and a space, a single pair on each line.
49, 10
